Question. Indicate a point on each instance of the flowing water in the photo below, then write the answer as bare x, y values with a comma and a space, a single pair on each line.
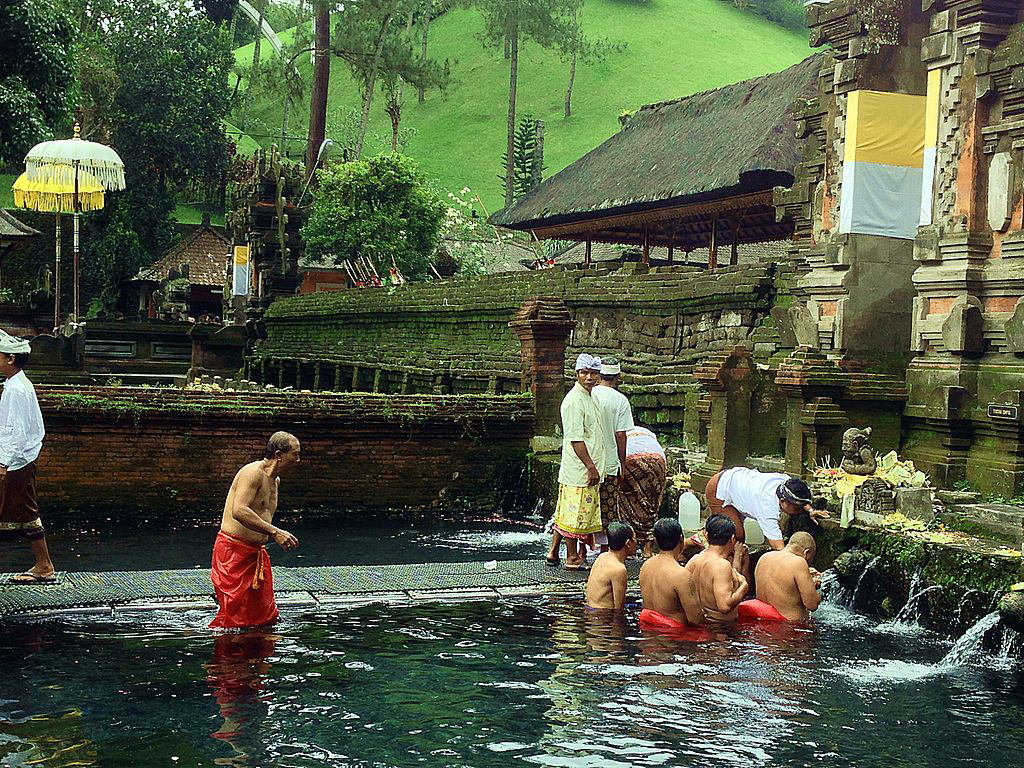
523, 682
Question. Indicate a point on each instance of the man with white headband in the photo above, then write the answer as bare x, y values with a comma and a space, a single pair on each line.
740, 492
616, 421
21, 438
578, 513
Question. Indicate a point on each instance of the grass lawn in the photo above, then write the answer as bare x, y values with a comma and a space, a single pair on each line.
673, 48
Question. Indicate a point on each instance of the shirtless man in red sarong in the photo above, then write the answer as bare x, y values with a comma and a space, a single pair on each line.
241, 566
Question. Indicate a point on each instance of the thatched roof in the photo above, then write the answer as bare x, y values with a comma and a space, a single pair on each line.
204, 250
13, 230
733, 140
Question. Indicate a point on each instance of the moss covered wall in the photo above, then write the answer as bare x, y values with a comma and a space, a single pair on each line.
453, 335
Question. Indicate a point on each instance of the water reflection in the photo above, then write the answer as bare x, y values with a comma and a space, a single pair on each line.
236, 674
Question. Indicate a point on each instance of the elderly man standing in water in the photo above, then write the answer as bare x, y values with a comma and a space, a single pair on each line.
578, 512
241, 567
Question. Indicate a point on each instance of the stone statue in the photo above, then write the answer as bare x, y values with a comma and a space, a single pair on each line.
858, 456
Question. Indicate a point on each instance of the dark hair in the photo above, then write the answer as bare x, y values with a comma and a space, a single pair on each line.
667, 533
20, 358
279, 441
719, 529
795, 491
618, 535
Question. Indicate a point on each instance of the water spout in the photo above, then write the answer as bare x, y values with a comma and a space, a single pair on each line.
910, 614
855, 597
971, 646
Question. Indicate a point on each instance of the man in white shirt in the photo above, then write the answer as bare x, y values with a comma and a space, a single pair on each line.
21, 437
740, 492
616, 420
578, 512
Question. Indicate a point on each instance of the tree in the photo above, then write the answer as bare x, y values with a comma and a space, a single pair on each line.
577, 46
321, 80
377, 49
381, 208
546, 23
428, 10
527, 163
166, 122
218, 11
37, 74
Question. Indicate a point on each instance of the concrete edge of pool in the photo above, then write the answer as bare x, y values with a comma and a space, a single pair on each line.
107, 593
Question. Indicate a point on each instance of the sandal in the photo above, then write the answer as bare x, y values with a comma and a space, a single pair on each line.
552, 561
32, 578
579, 567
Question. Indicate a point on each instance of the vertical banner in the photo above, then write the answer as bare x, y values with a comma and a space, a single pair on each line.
883, 162
241, 271
931, 139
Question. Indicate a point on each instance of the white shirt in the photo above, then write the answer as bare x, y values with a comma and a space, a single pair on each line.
753, 495
21, 423
616, 416
581, 422
642, 440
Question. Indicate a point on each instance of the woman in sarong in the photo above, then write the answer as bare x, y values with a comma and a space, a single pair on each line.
640, 494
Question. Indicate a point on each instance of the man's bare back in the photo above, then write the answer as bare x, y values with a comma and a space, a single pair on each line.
606, 585
666, 587
717, 583
784, 579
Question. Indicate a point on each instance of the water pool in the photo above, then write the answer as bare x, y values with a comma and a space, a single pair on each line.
152, 542
527, 682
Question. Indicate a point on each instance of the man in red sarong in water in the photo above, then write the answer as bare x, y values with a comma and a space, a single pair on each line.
241, 566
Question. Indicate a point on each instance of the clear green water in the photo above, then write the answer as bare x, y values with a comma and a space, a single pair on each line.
494, 684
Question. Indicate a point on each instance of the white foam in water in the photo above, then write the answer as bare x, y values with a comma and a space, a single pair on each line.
876, 671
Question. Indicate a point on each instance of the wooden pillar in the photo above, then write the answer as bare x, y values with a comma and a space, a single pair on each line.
587, 255
647, 246
671, 245
713, 243
734, 255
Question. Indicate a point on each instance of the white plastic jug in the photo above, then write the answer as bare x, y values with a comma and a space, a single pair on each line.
754, 534
689, 512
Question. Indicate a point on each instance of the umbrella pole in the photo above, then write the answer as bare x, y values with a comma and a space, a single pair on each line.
56, 280
78, 317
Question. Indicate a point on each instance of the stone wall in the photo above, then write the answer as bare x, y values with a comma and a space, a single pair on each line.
453, 335
128, 447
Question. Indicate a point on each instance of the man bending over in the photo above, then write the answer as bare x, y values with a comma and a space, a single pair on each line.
784, 580
606, 587
669, 595
720, 585
241, 567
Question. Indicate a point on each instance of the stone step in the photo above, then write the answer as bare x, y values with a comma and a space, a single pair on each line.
1004, 521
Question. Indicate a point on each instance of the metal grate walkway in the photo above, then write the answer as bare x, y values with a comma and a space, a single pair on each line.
139, 590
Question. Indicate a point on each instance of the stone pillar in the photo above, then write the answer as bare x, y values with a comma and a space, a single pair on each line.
729, 379
814, 422
543, 325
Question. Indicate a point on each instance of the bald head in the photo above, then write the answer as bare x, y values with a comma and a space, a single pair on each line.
803, 544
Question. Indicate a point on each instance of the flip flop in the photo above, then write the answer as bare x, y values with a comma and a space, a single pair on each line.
552, 561
31, 578
580, 567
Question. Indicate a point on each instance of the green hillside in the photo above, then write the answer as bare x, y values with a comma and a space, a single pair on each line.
674, 48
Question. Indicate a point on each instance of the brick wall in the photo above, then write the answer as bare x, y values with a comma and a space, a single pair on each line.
128, 447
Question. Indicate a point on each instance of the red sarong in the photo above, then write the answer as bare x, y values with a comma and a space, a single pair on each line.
658, 622
243, 583
758, 610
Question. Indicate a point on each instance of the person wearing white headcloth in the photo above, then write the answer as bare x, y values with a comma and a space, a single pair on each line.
21, 438
616, 420
578, 512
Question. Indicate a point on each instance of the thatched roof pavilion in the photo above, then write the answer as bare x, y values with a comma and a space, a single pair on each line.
697, 172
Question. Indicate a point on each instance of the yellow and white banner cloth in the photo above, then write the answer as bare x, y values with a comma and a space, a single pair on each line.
240, 285
883, 164
931, 140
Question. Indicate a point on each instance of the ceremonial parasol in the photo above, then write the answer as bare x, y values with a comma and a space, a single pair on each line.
65, 163
57, 197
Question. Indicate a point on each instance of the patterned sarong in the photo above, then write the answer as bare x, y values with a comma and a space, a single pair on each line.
578, 514
19, 512
638, 500
243, 583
